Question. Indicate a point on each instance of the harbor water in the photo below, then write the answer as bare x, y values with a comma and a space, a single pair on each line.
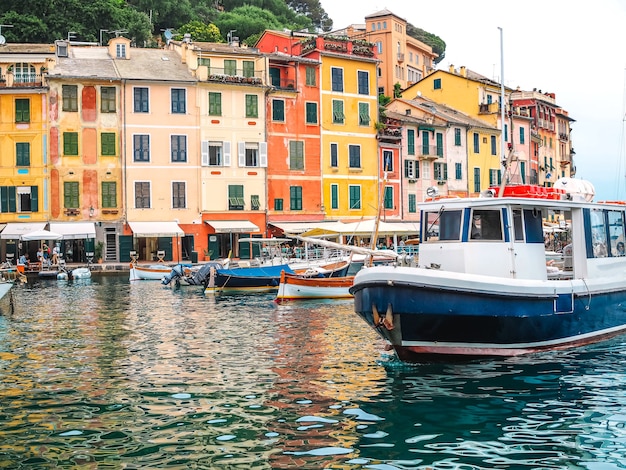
104, 373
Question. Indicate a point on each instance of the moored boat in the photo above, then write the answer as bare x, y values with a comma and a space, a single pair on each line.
296, 287
151, 272
245, 279
483, 286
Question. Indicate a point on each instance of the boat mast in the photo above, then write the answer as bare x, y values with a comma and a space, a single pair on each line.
505, 161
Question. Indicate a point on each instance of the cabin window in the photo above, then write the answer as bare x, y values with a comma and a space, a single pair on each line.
596, 228
616, 232
518, 226
533, 223
486, 225
445, 226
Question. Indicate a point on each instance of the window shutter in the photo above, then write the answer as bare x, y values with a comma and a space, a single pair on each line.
241, 149
12, 199
205, 153
263, 154
34, 199
226, 153
4, 198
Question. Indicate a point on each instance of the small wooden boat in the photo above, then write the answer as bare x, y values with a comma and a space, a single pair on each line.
80, 273
295, 287
152, 272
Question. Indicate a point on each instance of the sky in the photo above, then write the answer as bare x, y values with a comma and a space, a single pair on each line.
573, 48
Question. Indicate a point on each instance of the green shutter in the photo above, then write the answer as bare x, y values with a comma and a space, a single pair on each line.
34, 199
12, 199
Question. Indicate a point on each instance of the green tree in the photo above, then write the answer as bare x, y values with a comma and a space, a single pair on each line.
434, 41
199, 32
165, 14
250, 20
314, 11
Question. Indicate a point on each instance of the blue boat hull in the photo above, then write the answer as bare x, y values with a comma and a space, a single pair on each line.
420, 320
259, 279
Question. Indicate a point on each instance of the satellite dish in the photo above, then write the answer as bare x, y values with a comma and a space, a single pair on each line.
2, 40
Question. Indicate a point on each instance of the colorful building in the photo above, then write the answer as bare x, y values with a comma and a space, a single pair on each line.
24, 190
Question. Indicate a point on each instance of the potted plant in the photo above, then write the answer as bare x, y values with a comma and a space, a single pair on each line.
99, 248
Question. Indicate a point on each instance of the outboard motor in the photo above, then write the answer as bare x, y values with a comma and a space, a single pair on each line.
175, 274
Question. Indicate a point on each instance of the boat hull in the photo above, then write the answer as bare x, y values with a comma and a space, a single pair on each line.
294, 287
5, 287
425, 313
154, 272
254, 279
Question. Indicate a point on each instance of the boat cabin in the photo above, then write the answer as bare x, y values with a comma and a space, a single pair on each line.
504, 237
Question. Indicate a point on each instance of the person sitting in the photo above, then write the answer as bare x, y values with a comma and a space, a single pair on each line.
23, 260
39, 255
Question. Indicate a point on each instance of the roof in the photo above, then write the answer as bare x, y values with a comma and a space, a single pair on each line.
384, 12
16, 48
143, 64
440, 111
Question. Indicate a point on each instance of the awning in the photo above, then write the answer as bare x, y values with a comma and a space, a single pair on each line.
74, 230
232, 226
156, 229
15, 230
302, 227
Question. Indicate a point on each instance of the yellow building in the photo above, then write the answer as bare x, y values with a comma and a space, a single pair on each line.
23, 141
349, 112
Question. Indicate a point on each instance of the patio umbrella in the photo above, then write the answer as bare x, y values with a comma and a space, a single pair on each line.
41, 235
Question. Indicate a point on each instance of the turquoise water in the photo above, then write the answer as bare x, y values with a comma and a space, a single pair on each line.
108, 374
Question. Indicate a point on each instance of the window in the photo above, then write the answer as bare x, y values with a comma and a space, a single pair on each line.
486, 225
522, 171
363, 83
278, 110
334, 196
70, 195
204, 61
457, 136
476, 180
235, 197
141, 100
22, 110
230, 67
425, 143
409, 169
248, 68
410, 137
179, 101
120, 51
19, 199
364, 114
142, 194
494, 177
388, 197
412, 203
296, 155
354, 152
274, 74
278, 204
107, 99
141, 148
70, 97
24, 73
336, 79
178, 145
70, 143
22, 154
338, 116
506, 133
252, 154
311, 76
255, 202
458, 171
252, 106
494, 147
311, 113
109, 194
178, 195
213, 153
215, 104
355, 196
295, 198
440, 171
437, 83
387, 160
476, 143
107, 144
522, 137
439, 140
334, 155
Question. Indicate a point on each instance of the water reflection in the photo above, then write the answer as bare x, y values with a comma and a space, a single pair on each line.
108, 373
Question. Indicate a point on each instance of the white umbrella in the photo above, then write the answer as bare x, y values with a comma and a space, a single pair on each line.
41, 235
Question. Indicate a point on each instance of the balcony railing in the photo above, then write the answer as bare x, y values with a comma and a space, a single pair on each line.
429, 152
217, 74
10, 80
283, 83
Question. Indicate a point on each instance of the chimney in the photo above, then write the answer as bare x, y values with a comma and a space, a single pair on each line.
463, 71
451, 69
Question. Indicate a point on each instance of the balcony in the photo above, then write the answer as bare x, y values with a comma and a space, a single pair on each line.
488, 108
400, 56
237, 76
10, 80
283, 84
429, 152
